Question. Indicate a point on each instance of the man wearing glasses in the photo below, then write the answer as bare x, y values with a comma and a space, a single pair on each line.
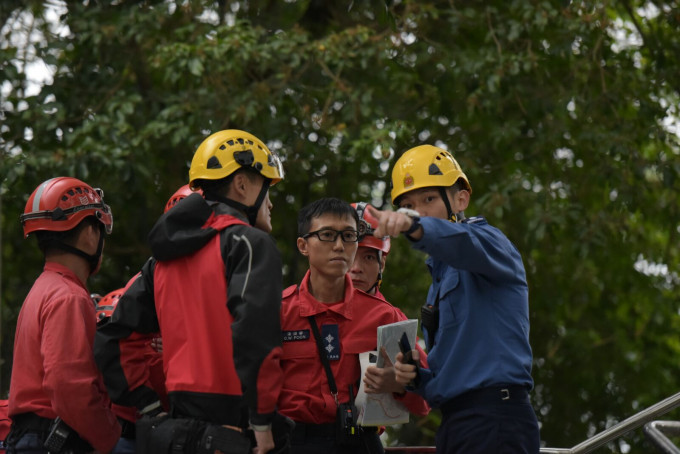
346, 321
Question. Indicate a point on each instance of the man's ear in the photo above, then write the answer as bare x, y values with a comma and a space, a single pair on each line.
302, 246
461, 200
88, 238
238, 188
383, 260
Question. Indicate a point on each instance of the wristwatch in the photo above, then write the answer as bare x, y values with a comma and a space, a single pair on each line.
415, 217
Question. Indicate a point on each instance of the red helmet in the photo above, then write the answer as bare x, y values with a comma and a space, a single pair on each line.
59, 204
181, 193
367, 224
108, 303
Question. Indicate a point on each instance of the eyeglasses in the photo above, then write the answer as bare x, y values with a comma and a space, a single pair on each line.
331, 235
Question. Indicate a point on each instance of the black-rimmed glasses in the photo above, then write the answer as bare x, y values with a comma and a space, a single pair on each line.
331, 235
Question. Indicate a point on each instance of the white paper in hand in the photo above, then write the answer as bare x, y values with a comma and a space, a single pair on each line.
383, 409
377, 409
389, 335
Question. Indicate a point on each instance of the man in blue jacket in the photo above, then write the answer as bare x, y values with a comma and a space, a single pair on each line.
476, 318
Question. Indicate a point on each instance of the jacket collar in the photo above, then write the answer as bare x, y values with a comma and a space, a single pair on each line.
64, 271
311, 306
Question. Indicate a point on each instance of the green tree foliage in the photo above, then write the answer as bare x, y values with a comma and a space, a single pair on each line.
558, 112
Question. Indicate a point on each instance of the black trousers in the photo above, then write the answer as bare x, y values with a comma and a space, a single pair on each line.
496, 420
320, 438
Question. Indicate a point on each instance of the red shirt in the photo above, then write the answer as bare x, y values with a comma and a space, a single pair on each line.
5, 423
306, 396
54, 372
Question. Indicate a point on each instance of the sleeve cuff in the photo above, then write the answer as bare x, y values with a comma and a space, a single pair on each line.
260, 427
260, 420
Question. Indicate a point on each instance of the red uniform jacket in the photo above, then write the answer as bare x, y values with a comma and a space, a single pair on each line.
347, 328
213, 290
54, 373
141, 366
5, 423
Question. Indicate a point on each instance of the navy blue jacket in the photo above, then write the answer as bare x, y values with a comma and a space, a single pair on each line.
483, 335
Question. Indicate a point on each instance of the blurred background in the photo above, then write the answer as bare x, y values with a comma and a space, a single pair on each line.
563, 114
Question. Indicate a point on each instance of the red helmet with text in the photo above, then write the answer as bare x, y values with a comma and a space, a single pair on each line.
60, 204
108, 303
181, 193
367, 224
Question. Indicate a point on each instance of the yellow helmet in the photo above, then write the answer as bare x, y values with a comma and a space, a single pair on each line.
423, 167
224, 152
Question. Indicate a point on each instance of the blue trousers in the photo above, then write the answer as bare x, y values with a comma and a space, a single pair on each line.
496, 428
30, 443
125, 446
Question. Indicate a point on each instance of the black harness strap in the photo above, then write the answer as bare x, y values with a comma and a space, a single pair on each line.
324, 358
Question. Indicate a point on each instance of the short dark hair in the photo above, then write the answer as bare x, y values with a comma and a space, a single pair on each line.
459, 185
327, 205
221, 187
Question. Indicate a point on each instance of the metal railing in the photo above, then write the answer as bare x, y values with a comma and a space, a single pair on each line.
411, 449
653, 431
606, 436
621, 428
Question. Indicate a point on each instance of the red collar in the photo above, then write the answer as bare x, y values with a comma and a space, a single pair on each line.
64, 271
311, 306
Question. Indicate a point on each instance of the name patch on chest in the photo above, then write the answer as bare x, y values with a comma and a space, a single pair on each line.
295, 335
330, 338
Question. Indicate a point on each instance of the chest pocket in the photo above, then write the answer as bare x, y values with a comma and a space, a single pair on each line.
349, 369
453, 310
300, 361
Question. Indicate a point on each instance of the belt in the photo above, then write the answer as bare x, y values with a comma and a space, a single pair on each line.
24, 423
30, 422
486, 396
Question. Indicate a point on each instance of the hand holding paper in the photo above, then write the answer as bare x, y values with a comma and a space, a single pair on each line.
382, 380
378, 406
407, 359
406, 371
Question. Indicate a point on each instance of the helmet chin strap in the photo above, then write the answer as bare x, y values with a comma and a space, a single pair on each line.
250, 211
451, 216
378, 281
92, 259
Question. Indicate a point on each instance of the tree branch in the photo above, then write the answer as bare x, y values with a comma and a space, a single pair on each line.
493, 33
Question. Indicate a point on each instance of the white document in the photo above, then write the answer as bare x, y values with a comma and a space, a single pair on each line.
383, 409
389, 335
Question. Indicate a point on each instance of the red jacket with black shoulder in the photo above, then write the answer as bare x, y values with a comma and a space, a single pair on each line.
213, 289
